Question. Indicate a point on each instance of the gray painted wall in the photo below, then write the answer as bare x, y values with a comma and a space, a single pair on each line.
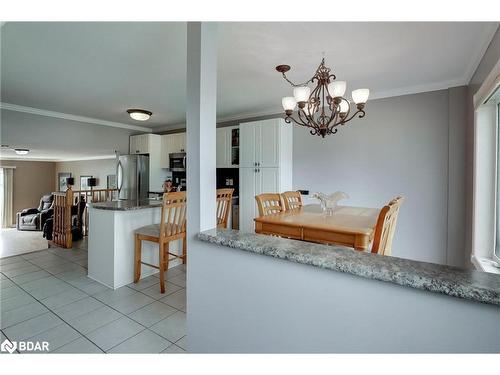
405, 145
276, 306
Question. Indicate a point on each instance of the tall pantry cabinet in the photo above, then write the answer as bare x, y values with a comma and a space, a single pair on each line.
265, 164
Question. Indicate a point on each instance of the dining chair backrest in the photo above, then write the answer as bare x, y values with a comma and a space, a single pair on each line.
224, 200
173, 214
269, 204
292, 200
386, 226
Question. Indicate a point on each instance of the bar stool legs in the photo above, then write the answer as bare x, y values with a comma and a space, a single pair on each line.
137, 260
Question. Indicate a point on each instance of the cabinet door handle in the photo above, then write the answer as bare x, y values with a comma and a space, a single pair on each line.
255, 170
254, 163
258, 164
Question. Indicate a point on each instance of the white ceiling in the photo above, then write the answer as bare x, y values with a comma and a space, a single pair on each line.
98, 70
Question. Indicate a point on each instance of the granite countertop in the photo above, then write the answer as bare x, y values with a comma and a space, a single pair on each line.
453, 281
127, 205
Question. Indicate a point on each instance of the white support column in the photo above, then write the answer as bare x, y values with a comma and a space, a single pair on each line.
201, 169
201, 120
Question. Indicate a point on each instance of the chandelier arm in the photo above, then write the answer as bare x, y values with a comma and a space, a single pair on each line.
289, 119
296, 84
361, 115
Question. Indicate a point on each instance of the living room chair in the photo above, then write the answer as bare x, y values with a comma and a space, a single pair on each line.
35, 218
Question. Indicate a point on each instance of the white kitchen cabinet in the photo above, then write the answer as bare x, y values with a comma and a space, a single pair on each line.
265, 164
260, 144
150, 144
227, 147
139, 144
170, 144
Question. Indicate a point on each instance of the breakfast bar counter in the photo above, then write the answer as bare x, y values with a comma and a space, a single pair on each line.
111, 240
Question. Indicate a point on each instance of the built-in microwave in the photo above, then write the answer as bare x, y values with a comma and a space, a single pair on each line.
177, 162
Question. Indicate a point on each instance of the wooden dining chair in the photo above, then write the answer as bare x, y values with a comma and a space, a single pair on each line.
224, 201
292, 200
172, 227
269, 204
386, 226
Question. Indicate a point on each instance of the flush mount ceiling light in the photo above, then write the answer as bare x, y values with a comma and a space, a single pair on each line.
139, 114
323, 108
21, 151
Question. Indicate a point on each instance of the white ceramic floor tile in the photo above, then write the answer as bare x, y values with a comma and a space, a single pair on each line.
9, 260
111, 295
174, 349
57, 336
27, 277
144, 283
128, 304
6, 283
91, 288
79, 346
114, 333
177, 299
62, 268
172, 328
178, 280
15, 302
21, 271
15, 263
33, 326
152, 313
21, 314
144, 342
182, 343
154, 291
64, 298
50, 291
10, 292
78, 308
94, 319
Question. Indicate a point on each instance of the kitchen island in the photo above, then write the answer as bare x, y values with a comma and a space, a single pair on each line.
111, 240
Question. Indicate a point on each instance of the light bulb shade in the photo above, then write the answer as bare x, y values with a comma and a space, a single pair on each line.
344, 106
360, 96
337, 88
139, 114
301, 93
288, 103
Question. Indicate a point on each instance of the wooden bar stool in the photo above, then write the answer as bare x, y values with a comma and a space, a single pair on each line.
224, 202
292, 200
172, 227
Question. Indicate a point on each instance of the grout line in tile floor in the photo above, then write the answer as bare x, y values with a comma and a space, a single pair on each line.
92, 296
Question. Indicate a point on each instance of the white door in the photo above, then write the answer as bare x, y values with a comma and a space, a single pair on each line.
221, 148
248, 157
268, 152
247, 207
268, 180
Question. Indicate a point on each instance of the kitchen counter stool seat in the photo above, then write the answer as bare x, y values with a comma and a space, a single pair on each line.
172, 227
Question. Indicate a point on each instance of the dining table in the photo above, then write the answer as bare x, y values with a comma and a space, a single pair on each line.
346, 225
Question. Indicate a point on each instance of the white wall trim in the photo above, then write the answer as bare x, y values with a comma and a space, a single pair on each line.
71, 117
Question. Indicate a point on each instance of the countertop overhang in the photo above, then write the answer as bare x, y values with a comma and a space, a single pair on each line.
452, 281
127, 205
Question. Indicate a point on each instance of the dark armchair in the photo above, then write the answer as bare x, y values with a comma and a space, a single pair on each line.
35, 218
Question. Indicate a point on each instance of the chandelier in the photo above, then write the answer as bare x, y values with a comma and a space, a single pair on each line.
325, 107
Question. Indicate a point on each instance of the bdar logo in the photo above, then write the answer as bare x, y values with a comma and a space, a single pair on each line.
8, 346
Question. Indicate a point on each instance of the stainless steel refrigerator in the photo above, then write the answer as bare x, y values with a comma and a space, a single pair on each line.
133, 177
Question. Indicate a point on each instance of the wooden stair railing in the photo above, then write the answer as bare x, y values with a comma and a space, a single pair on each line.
63, 203
61, 232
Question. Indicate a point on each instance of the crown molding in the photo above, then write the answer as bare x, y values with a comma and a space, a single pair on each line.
71, 117
487, 37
